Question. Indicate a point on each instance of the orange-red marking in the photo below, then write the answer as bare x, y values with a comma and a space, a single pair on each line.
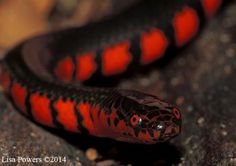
157, 134
120, 128
145, 136
102, 120
19, 93
96, 125
86, 66
115, 59
100, 125
66, 115
153, 45
64, 69
186, 24
211, 6
40, 106
84, 109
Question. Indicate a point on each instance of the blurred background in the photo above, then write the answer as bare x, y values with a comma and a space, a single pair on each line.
21, 19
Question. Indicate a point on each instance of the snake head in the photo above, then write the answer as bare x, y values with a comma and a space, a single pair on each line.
148, 119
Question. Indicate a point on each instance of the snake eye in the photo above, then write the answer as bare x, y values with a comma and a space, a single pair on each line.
135, 120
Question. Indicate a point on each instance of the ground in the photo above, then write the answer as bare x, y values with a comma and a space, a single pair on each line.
200, 79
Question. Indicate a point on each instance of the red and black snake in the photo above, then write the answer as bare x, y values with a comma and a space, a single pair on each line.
36, 75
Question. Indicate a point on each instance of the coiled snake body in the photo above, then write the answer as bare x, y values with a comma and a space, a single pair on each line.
36, 74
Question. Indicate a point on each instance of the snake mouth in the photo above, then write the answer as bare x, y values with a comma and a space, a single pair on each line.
166, 129
170, 132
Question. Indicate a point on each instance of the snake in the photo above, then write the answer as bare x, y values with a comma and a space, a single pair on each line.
44, 77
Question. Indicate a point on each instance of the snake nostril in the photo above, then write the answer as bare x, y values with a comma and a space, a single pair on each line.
176, 112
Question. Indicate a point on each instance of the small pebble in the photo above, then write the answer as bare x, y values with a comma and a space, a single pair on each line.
190, 152
190, 108
33, 135
230, 52
233, 160
225, 38
186, 142
91, 154
58, 143
78, 164
106, 163
222, 125
224, 133
195, 146
182, 159
144, 82
201, 121
180, 100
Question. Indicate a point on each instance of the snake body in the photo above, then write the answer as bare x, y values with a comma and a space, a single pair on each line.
39, 75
